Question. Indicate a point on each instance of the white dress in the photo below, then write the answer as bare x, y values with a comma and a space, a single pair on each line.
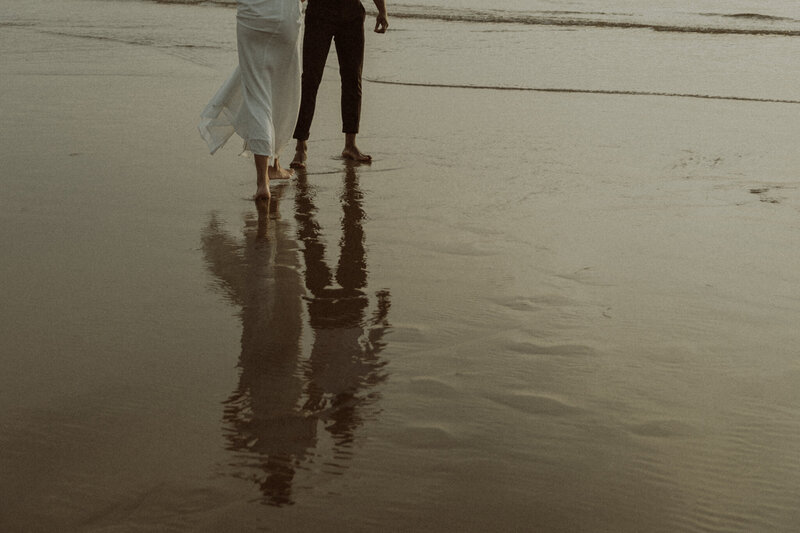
260, 100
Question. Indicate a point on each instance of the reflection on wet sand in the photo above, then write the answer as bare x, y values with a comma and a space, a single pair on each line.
284, 395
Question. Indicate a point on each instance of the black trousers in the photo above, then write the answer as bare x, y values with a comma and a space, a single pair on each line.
348, 36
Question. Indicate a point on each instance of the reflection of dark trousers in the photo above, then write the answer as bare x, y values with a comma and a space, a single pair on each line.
348, 35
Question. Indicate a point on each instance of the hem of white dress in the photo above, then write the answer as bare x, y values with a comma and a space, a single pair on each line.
216, 126
257, 147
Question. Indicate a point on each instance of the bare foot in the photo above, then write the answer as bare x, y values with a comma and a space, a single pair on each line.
300, 155
299, 160
354, 154
279, 173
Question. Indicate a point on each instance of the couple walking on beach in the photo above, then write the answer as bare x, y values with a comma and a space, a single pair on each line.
267, 101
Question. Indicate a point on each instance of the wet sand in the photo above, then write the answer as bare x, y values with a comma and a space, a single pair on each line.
533, 311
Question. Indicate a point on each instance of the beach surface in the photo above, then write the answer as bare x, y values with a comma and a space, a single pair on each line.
569, 310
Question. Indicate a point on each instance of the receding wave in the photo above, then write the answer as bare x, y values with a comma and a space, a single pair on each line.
747, 23
616, 92
593, 19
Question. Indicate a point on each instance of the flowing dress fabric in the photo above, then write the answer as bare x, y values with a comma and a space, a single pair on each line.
260, 100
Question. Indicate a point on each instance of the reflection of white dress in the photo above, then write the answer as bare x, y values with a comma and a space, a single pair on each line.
260, 100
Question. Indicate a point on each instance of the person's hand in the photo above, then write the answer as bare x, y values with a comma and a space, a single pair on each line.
381, 23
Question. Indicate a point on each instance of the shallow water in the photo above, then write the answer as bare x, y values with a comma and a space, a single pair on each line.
536, 310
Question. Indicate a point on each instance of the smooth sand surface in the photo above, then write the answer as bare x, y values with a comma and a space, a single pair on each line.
533, 311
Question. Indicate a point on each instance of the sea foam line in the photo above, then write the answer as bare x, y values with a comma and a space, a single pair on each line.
613, 21
617, 92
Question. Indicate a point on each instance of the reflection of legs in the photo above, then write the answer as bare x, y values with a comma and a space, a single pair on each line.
316, 45
341, 368
350, 51
317, 274
263, 209
351, 272
260, 416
